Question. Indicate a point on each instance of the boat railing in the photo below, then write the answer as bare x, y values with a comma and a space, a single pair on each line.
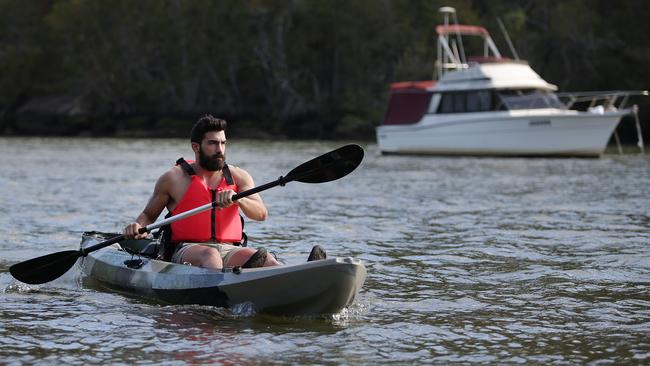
616, 99
606, 101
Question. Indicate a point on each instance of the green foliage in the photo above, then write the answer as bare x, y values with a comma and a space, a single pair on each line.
297, 68
23, 54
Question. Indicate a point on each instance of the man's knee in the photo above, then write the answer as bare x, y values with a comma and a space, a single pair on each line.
240, 256
203, 257
271, 261
211, 258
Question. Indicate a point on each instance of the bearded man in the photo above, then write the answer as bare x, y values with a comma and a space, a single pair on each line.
210, 239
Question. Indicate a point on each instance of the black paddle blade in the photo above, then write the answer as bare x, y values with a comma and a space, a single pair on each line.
46, 268
328, 167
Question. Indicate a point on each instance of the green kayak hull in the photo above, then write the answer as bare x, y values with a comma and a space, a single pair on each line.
309, 288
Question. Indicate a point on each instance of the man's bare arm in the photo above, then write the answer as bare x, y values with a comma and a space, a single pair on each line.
252, 206
157, 203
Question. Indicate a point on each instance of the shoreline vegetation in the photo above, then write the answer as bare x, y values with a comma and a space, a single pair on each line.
128, 127
169, 127
281, 69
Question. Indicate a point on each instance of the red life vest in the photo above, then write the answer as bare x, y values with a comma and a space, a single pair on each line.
218, 225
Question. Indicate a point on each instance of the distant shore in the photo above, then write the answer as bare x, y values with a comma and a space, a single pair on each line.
165, 127
168, 127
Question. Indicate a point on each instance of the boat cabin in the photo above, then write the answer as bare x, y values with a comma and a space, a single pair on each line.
409, 102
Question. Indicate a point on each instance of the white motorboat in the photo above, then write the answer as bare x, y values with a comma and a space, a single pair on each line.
492, 105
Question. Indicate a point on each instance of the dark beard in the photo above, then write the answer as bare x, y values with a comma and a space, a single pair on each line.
211, 163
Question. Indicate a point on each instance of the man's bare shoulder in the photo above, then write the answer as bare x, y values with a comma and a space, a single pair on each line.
173, 176
240, 175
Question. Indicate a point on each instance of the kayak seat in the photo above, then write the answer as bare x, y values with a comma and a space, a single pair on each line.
150, 251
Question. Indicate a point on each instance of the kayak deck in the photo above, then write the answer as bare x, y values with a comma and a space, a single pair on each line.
309, 288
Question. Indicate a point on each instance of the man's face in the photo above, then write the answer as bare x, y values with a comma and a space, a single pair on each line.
212, 151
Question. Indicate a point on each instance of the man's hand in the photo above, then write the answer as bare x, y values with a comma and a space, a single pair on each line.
131, 231
224, 198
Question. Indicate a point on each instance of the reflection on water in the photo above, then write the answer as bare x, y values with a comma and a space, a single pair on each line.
469, 259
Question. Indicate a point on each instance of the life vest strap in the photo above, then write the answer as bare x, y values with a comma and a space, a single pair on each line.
187, 168
227, 175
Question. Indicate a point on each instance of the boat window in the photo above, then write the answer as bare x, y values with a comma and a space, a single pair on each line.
529, 99
478, 101
466, 102
447, 103
459, 102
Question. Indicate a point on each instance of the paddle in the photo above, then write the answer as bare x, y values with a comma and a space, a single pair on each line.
327, 167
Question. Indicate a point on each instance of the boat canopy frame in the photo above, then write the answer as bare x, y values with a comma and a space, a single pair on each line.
450, 48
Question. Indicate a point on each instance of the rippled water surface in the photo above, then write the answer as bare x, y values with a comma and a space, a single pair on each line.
470, 260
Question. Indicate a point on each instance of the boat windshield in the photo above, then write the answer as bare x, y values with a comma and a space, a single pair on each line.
529, 99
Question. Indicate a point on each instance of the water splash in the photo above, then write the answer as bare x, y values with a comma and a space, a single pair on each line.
243, 310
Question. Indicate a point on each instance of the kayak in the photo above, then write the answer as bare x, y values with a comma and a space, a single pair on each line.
309, 288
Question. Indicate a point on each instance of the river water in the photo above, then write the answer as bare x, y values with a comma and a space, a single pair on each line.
470, 260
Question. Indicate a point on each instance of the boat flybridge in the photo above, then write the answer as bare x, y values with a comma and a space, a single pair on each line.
492, 105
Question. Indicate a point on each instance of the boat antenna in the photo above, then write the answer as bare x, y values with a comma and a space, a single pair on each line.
447, 10
443, 57
459, 40
507, 37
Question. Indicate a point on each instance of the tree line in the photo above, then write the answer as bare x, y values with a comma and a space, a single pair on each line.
292, 68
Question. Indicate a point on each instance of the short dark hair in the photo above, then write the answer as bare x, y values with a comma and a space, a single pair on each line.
205, 124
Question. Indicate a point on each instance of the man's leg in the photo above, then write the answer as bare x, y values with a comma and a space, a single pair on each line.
202, 256
241, 255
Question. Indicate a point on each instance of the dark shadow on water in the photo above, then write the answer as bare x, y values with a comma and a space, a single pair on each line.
241, 316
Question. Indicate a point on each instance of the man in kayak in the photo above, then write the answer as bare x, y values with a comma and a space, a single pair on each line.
210, 239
